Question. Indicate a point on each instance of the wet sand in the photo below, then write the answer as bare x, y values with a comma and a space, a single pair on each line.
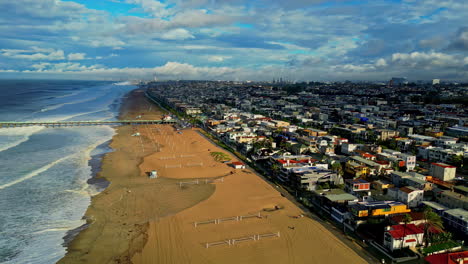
142, 220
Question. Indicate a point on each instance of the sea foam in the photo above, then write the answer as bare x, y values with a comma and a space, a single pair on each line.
34, 173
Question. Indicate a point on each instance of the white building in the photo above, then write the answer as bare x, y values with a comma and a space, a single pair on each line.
410, 160
410, 196
443, 171
347, 148
403, 236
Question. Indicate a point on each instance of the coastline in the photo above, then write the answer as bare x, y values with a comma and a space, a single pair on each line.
141, 220
96, 182
100, 179
118, 217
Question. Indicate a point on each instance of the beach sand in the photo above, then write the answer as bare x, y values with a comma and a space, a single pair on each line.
142, 220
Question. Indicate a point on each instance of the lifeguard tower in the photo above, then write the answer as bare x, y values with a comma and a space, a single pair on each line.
153, 174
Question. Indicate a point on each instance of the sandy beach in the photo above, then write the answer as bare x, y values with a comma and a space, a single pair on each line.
142, 220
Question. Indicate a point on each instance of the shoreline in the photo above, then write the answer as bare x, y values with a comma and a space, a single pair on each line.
107, 177
142, 220
96, 181
99, 183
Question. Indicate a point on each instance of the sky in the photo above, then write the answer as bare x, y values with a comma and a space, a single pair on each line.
297, 40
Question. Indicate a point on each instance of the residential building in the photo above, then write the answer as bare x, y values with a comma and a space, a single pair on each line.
403, 236
436, 207
410, 160
378, 208
453, 200
456, 220
448, 258
357, 185
356, 169
410, 196
443, 171
457, 131
386, 134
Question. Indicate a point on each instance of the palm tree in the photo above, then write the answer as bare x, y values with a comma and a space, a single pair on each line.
275, 168
406, 219
430, 219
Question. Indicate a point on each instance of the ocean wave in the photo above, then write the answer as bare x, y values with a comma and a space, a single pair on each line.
24, 132
123, 83
34, 173
61, 226
53, 107
86, 189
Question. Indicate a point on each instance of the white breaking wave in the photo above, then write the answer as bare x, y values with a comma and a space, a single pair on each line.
23, 134
53, 107
60, 226
123, 83
34, 173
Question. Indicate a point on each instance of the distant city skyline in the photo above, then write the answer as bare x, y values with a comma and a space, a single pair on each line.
258, 40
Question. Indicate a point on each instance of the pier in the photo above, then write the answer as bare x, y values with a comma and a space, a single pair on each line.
84, 123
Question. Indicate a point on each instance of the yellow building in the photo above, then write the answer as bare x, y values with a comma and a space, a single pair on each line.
356, 169
381, 185
315, 132
434, 133
379, 208
279, 123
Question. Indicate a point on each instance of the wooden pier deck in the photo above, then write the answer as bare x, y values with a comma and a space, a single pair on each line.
84, 123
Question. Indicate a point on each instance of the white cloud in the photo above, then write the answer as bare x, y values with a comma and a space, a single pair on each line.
381, 62
177, 34
107, 42
33, 54
63, 67
76, 56
422, 59
217, 58
155, 8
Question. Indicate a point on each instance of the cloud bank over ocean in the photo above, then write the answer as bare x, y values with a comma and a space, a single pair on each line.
237, 39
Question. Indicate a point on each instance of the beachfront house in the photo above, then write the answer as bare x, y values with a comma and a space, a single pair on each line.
403, 236
238, 165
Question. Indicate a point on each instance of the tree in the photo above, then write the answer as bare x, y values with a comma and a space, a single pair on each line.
338, 168
457, 160
430, 219
441, 238
406, 219
275, 168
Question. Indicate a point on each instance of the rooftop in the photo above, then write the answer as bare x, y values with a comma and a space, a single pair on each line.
341, 197
408, 189
443, 165
401, 231
458, 212
435, 205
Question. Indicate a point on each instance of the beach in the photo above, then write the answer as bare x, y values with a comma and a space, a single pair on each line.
142, 220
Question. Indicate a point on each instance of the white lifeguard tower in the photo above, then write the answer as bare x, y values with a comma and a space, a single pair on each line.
153, 174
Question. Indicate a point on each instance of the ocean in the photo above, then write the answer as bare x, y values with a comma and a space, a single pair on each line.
44, 172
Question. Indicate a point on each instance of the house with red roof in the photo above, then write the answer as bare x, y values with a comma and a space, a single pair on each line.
448, 258
238, 165
403, 236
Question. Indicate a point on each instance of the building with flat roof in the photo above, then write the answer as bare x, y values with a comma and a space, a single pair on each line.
378, 208
453, 199
357, 185
410, 196
457, 131
443, 171
436, 207
456, 220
